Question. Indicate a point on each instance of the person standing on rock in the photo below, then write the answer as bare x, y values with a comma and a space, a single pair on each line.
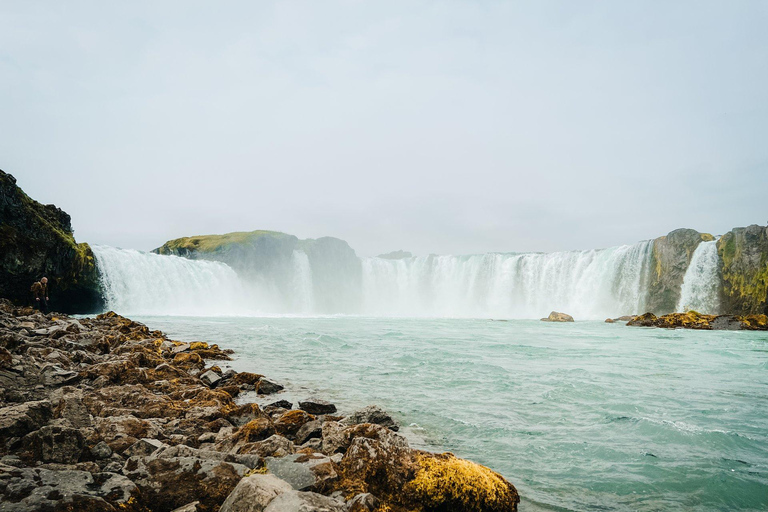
40, 293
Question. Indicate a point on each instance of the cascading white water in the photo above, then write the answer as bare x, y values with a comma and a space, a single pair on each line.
586, 284
700, 284
302, 282
141, 283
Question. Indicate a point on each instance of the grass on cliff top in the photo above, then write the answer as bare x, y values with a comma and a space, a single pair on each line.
212, 243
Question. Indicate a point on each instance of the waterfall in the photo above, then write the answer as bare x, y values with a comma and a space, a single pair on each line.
591, 284
302, 282
139, 283
700, 289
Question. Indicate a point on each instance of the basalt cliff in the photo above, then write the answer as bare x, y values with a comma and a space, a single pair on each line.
36, 240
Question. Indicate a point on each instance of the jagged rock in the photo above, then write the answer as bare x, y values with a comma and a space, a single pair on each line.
273, 446
296, 501
283, 404
299, 469
143, 447
211, 378
55, 444
55, 375
19, 420
170, 482
558, 317
253, 493
101, 451
309, 430
317, 406
267, 387
27, 489
371, 414
289, 423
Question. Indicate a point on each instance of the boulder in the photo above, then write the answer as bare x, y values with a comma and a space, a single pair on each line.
267, 387
144, 447
19, 420
317, 406
55, 444
296, 501
253, 493
371, 414
210, 378
558, 317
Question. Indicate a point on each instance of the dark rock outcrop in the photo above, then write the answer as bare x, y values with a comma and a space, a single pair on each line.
743, 254
695, 320
670, 259
36, 240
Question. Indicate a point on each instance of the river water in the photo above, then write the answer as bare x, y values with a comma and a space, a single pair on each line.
581, 416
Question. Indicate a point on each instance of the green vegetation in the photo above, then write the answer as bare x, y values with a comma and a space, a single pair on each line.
214, 243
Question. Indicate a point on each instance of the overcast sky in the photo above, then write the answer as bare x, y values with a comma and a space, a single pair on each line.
448, 127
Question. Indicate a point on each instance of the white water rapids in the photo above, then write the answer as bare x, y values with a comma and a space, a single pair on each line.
592, 284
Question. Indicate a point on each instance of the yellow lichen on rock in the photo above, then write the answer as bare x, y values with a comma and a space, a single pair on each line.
447, 483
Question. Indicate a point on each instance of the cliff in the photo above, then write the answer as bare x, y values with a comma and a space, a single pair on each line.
36, 240
743, 254
669, 261
274, 259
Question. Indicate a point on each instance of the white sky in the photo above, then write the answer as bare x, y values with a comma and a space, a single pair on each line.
450, 127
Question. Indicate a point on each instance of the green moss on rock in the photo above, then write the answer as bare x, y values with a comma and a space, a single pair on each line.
213, 243
743, 254
36, 240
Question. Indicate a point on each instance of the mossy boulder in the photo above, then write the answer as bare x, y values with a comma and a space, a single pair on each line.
669, 260
743, 254
36, 240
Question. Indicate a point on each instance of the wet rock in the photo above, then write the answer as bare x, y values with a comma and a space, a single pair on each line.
558, 317
371, 414
317, 406
283, 404
253, 493
267, 387
644, 320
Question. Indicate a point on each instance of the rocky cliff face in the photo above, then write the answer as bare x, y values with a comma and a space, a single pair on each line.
36, 240
743, 254
670, 259
273, 260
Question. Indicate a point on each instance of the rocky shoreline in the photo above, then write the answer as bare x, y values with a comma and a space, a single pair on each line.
103, 414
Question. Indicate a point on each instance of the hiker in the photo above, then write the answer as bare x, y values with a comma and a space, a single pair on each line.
40, 294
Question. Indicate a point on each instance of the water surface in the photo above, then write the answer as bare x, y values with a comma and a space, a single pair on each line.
585, 416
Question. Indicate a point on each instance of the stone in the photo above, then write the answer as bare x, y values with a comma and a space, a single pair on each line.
371, 414
296, 501
144, 447
363, 502
55, 444
309, 430
289, 423
101, 451
267, 387
55, 375
19, 420
558, 317
317, 406
273, 446
189, 507
253, 493
283, 404
210, 378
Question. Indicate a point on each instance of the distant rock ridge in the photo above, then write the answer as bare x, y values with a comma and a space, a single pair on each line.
36, 240
396, 255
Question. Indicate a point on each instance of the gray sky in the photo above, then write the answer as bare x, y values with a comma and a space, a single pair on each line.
451, 127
